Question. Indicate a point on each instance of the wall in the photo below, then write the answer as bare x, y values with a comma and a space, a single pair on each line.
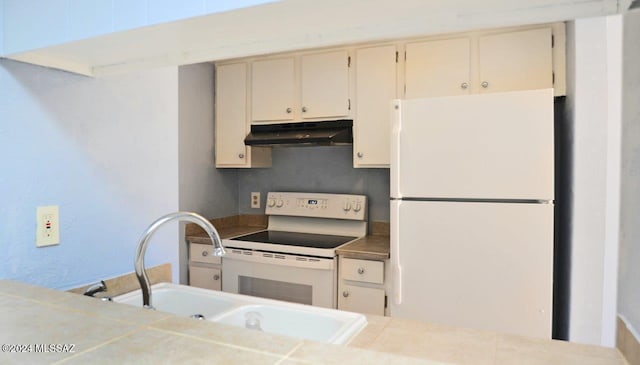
34, 24
316, 169
105, 151
593, 83
1, 28
203, 188
629, 282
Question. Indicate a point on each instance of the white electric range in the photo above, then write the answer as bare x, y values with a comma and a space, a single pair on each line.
294, 259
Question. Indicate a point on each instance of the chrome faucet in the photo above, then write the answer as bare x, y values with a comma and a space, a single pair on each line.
141, 272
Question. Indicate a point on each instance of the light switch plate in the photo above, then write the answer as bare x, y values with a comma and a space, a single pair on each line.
48, 226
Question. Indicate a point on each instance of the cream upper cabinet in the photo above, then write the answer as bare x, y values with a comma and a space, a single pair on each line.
231, 114
376, 84
273, 90
481, 62
519, 60
438, 68
231, 124
324, 85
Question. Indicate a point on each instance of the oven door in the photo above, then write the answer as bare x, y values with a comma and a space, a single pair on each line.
298, 279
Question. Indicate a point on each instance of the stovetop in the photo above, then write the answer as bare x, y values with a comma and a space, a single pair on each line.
323, 241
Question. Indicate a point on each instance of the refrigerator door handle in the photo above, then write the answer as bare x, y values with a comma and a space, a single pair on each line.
396, 129
396, 269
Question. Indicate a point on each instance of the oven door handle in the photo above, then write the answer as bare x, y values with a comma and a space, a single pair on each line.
271, 258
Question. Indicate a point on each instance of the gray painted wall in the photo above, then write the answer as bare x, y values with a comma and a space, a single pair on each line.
202, 188
316, 169
629, 259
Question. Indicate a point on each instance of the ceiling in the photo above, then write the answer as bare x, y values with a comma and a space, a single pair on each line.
300, 24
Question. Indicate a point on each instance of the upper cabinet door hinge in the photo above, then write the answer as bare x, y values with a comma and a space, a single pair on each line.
349, 107
553, 41
553, 78
349, 61
397, 55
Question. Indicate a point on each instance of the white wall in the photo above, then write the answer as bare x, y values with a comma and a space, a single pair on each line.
203, 188
105, 151
629, 284
593, 97
34, 24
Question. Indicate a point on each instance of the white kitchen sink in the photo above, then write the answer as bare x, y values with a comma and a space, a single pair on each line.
181, 300
272, 316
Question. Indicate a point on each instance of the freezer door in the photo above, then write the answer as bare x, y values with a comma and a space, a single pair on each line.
489, 146
487, 266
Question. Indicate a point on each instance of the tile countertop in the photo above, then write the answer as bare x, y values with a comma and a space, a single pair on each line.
107, 332
227, 227
372, 247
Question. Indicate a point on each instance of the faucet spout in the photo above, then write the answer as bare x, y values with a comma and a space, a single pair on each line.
141, 272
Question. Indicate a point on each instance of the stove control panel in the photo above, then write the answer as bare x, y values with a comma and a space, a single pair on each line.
318, 205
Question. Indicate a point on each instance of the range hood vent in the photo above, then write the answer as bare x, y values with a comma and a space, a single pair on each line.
325, 133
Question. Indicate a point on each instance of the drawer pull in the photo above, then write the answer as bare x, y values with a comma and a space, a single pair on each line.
216, 277
361, 270
345, 293
205, 253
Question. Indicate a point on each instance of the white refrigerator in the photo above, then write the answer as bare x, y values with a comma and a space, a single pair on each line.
472, 189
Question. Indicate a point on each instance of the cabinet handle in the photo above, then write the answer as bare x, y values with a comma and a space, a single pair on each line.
216, 277
241, 155
205, 253
345, 293
361, 270
288, 110
464, 86
304, 109
360, 155
484, 84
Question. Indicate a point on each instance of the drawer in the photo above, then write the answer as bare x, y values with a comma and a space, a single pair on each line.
363, 270
362, 300
203, 253
205, 277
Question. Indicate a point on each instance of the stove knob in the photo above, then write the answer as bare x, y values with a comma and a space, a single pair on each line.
347, 206
271, 202
280, 203
357, 207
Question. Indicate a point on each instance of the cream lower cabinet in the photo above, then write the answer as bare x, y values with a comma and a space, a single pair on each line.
205, 270
361, 286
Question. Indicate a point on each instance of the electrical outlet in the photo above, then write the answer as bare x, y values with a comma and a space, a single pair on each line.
48, 226
255, 200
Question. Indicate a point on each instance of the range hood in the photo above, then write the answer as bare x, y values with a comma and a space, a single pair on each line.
325, 133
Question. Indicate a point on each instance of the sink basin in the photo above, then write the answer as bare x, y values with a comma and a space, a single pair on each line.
181, 300
268, 315
309, 323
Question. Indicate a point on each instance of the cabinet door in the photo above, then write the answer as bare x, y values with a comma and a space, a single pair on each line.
272, 90
437, 68
231, 114
205, 277
516, 61
360, 299
375, 88
325, 85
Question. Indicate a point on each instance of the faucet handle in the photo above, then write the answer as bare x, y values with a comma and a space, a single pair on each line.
95, 288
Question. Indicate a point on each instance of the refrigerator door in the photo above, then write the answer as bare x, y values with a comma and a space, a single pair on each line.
487, 266
489, 146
